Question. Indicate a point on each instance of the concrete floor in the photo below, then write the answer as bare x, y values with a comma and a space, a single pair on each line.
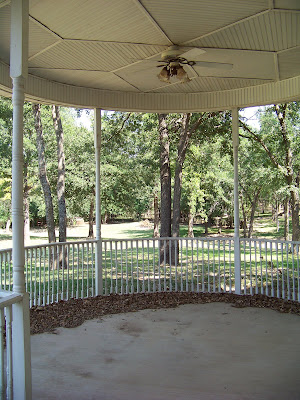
210, 351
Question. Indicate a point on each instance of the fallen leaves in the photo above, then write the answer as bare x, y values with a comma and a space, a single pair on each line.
74, 312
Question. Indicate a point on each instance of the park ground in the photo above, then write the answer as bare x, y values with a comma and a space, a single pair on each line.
264, 227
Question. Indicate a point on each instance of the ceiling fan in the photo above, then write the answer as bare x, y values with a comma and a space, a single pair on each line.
174, 58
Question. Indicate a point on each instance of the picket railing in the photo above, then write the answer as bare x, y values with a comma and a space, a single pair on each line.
270, 267
7, 299
61, 271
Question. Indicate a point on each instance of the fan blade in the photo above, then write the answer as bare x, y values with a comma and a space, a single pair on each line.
193, 54
207, 64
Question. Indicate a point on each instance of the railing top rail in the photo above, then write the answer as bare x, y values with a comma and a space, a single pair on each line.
9, 250
8, 298
171, 238
60, 244
269, 240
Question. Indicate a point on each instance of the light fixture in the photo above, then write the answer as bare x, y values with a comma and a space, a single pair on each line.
174, 68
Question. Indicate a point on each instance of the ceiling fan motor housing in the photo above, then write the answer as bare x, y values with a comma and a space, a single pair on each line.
171, 52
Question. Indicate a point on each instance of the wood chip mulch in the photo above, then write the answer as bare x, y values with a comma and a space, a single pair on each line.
74, 312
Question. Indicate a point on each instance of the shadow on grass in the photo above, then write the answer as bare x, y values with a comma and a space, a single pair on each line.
139, 233
5, 237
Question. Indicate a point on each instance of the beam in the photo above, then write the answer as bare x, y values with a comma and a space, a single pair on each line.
20, 325
237, 252
98, 257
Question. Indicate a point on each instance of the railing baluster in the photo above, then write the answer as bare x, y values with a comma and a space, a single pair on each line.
116, 267
131, 267
187, 265
170, 264
73, 272
214, 274
9, 359
121, 250
2, 372
176, 249
159, 263
87, 270
230, 271
143, 268
44, 277
293, 266
272, 280
298, 275
127, 284
250, 264
148, 255
82, 271
255, 256
287, 272
154, 277
77, 275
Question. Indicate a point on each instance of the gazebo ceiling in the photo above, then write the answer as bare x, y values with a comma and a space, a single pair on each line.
104, 53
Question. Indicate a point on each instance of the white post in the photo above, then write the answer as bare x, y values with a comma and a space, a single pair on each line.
21, 322
98, 258
237, 250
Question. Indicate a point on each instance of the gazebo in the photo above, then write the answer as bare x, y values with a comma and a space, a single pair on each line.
97, 54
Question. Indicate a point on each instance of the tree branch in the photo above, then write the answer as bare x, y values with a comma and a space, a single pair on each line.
265, 147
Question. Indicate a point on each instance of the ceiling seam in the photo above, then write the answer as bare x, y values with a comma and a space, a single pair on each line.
288, 49
227, 26
45, 49
45, 27
276, 65
5, 3
152, 20
130, 84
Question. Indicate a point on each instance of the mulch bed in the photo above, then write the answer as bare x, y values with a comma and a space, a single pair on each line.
74, 312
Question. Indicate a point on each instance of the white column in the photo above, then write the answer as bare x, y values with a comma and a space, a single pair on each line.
21, 322
98, 258
237, 250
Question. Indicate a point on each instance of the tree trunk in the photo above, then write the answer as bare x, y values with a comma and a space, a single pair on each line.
244, 219
62, 214
165, 182
36, 108
286, 219
253, 208
185, 135
156, 217
91, 218
26, 206
7, 228
276, 215
206, 227
295, 215
105, 218
191, 224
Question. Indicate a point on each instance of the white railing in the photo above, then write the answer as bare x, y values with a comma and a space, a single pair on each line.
270, 267
61, 271
7, 299
168, 264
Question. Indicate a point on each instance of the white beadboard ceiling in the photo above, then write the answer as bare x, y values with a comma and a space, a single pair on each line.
114, 46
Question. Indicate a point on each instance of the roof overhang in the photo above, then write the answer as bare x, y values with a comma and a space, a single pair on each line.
78, 58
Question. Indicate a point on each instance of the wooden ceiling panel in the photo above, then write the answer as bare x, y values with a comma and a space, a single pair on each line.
114, 20
289, 63
185, 20
90, 55
91, 79
272, 31
210, 84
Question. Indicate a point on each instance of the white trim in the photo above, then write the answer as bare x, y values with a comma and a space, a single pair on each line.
41, 90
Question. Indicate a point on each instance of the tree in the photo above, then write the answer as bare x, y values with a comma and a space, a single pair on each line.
62, 213
36, 109
279, 137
